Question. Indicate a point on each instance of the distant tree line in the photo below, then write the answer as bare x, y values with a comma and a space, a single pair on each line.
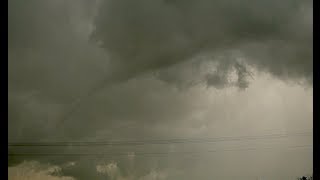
305, 178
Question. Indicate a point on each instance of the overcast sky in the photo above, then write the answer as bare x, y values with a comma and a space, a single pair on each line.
124, 70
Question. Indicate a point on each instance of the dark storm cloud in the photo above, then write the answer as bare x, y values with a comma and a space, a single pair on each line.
54, 58
143, 36
49, 50
51, 62
146, 35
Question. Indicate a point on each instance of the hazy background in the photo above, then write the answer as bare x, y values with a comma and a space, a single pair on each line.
154, 69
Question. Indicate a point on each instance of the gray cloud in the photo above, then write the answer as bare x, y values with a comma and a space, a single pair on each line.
143, 36
274, 36
147, 48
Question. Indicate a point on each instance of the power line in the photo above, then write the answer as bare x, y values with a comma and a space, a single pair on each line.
151, 153
156, 141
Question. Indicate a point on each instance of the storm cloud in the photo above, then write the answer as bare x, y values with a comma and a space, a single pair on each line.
274, 36
161, 69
